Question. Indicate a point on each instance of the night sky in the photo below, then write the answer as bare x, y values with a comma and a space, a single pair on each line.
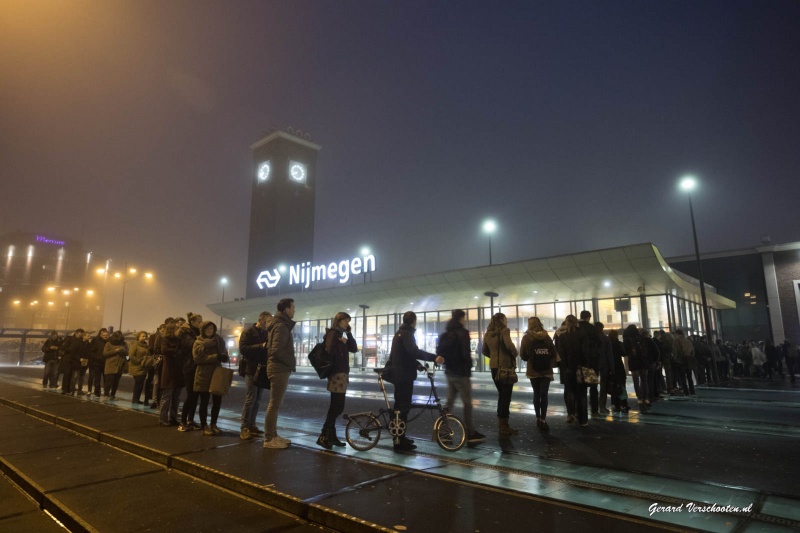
127, 124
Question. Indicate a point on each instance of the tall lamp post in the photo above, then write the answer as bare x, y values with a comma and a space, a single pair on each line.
489, 227
223, 282
688, 184
364, 308
125, 280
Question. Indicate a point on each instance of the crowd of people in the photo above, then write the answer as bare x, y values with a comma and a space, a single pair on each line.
593, 367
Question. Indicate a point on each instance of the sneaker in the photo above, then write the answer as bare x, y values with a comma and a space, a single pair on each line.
544, 426
96, 396
184, 427
194, 425
603, 411
245, 434
207, 431
281, 439
255, 431
570, 419
275, 444
584, 424
215, 430
475, 436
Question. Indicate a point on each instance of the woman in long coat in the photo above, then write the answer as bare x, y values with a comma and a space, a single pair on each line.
500, 350
339, 344
115, 353
208, 352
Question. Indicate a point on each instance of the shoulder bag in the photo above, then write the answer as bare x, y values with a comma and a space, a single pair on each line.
506, 372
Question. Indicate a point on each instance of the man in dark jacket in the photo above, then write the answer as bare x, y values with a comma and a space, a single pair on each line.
253, 351
454, 347
605, 371
403, 360
187, 333
50, 359
72, 349
590, 354
97, 362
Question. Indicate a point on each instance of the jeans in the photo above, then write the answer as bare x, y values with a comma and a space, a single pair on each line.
640, 384
541, 387
279, 381
252, 401
111, 384
138, 386
216, 404
50, 375
504, 391
168, 409
190, 405
95, 375
461, 386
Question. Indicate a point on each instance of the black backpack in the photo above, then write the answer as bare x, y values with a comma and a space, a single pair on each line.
321, 360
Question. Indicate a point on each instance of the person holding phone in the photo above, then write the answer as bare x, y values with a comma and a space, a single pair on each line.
339, 344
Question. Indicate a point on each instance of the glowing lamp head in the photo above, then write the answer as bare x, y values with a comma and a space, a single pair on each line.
117, 275
489, 227
365, 250
101, 270
688, 183
224, 281
148, 275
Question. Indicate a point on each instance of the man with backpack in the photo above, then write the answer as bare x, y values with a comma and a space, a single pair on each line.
253, 352
453, 345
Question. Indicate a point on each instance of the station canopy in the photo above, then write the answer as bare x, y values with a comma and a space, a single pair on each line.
625, 271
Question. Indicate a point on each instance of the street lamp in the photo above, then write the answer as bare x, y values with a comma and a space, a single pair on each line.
125, 280
489, 227
688, 184
365, 251
223, 282
364, 308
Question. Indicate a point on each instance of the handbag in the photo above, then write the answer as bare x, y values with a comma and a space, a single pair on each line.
506, 375
587, 376
221, 381
260, 378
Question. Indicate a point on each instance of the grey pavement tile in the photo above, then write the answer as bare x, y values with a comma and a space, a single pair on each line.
32, 434
781, 507
33, 522
14, 501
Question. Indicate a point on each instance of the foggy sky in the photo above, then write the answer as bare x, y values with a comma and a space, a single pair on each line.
127, 124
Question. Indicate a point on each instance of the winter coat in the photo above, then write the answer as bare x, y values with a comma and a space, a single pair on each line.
207, 353
404, 355
606, 362
96, 347
532, 341
340, 351
684, 352
758, 356
139, 356
634, 349
454, 347
620, 374
72, 351
495, 340
591, 345
171, 364
281, 345
50, 349
187, 334
252, 347
568, 345
115, 353
652, 351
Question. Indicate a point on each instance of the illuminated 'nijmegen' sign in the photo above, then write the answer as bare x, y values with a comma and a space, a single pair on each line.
45, 240
305, 273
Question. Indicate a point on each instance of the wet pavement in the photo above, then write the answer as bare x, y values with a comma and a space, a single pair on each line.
103, 466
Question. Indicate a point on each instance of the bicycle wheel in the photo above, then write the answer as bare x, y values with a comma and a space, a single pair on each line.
363, 432
450, 433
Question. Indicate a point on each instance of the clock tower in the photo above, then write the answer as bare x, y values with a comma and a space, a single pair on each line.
282, 205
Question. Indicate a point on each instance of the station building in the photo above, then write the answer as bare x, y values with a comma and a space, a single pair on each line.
752, 294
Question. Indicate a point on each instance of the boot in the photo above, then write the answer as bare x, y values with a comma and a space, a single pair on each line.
323, 439
333, 438
504, 430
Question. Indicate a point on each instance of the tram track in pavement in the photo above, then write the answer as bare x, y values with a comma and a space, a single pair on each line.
445, 461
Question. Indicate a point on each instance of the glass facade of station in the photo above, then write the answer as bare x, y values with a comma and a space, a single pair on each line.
374, 333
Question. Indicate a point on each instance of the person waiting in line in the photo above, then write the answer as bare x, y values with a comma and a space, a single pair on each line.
187, 333
155, 348
618, 375
50, 350
500, 350
138, 365
78, 379
253, 351
339, 344
116, 354
638, 364
403, 359
97, 361
208, 352
453, 345
281, 363
653, 368
71, 350
665, 342
171, 379
605, 368
538, 350
684, 361
590, 356
569, 347
791, 357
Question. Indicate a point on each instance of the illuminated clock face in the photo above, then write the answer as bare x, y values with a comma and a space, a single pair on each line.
297, 171
263, 171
